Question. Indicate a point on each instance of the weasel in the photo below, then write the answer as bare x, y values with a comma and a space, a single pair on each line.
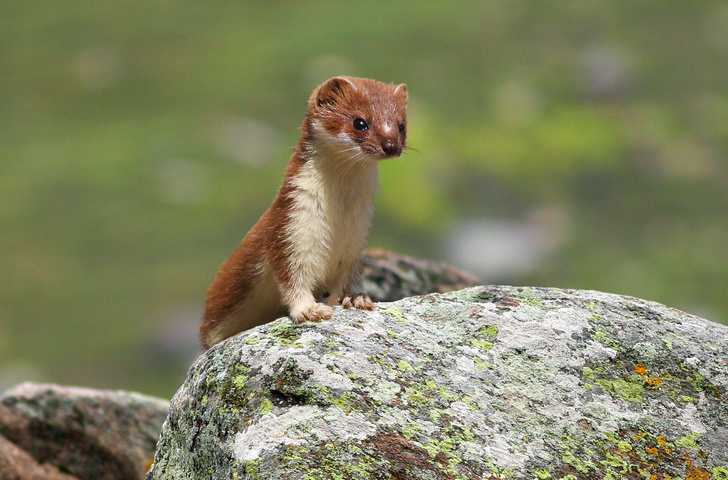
304, 254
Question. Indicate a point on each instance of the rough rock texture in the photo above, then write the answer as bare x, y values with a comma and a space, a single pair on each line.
390, 276
17, 464
484, 383
65, 433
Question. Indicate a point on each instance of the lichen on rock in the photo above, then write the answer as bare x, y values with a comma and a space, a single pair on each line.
487, 382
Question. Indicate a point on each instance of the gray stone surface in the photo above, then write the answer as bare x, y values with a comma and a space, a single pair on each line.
391, 276
55, 432
483, 383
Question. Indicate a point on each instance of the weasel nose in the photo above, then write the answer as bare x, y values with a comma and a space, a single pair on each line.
390, 148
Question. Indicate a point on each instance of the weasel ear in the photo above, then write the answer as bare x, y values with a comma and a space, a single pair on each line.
332, 90
401, 92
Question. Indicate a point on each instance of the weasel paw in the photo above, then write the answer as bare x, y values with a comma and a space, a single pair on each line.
358, 300
313, 313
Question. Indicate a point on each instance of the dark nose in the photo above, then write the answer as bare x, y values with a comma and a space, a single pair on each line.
390, 148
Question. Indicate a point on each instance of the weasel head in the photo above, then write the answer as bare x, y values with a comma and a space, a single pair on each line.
358, 118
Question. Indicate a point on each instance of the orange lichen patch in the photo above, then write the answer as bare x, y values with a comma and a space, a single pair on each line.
651, 451
637, 435
654, 381
695, 473
662, 440
639, 368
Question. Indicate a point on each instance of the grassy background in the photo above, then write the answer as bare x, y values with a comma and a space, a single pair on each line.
577, 144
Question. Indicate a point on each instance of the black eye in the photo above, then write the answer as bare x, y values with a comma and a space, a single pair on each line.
402, 128
360, 124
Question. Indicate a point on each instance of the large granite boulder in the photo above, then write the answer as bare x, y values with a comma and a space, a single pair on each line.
483, 383
51, 432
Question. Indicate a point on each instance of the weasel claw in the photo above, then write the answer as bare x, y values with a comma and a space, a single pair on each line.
313, 313
359, 300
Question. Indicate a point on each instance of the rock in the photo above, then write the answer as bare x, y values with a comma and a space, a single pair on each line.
17, 464
389, 276
483, 383
64, 433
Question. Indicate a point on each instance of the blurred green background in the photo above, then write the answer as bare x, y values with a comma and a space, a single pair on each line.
578, 144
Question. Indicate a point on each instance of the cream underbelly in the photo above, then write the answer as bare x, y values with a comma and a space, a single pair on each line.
328, 228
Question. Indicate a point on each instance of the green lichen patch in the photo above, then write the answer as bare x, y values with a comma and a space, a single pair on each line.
602, 337
404, 366
533, 375
483, 345
227, 388
291, 385
484, 338
333, 348
720, 473
425, 396
284, 332
630, 389
395, 312
688, 441
266, 406
247, 469
329, 460
480, 364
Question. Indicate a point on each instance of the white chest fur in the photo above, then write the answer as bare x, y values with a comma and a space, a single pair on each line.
330, 220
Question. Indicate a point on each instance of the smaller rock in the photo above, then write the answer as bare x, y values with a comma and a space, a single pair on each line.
389, 277
54, 432
16, 464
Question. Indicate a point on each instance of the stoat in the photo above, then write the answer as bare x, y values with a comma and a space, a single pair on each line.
304, 254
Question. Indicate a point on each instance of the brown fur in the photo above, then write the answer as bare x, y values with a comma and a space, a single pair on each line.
333, 106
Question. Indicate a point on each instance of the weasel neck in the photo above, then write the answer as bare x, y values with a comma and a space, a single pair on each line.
328, 169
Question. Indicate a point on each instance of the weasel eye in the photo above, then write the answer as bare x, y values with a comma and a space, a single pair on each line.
402, 128
360, 124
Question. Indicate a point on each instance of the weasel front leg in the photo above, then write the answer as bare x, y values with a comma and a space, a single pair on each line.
354, 296
302, 306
